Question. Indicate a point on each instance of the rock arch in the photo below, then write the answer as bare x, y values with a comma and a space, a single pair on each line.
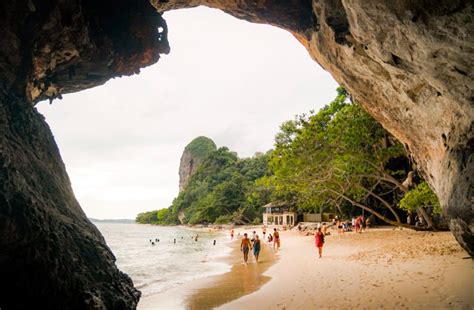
409, 63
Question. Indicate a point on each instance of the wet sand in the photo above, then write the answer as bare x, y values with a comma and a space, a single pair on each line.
243, 279
379, 269
211, 292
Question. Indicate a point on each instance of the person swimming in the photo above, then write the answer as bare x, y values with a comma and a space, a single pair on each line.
245, 246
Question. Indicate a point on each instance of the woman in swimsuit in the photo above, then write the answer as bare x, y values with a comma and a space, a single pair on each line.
245, 246
256, 247
319, 241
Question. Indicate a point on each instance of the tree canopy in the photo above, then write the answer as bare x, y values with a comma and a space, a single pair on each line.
200, 147
339, 158
221, 190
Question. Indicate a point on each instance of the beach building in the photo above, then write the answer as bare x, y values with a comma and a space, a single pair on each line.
278, 214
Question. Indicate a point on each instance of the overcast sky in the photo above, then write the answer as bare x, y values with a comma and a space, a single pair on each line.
227, 79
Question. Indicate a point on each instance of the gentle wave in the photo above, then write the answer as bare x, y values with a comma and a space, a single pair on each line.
165, 265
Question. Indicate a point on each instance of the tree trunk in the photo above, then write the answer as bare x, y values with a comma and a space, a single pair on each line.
429, 221
380, 216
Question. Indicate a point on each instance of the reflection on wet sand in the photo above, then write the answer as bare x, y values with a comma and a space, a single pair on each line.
243, 279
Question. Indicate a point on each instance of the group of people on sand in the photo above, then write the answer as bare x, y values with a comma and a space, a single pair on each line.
357, 225
255, 243
247, 244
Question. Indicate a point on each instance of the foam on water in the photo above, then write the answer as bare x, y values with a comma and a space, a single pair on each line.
155, 269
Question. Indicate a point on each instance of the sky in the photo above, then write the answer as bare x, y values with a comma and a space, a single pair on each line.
227, 79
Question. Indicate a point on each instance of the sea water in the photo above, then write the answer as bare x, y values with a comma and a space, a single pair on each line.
157, 268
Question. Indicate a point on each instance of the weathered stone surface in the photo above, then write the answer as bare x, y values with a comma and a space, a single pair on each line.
51, 256
57, 47
192, 157
409, 63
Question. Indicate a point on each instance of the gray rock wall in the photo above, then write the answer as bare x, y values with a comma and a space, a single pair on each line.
193, 155
51, 256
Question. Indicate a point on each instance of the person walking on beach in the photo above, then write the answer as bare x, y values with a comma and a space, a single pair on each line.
357, 225
340, 228
256, 247
276, 239
324, 229
245, 246
319, 241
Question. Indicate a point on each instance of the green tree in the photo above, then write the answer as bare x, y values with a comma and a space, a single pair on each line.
420, 196
338, 157
223, 189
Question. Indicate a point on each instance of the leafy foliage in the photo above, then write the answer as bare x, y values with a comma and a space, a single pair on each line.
337, 158
221, 190
200, 147
420, 196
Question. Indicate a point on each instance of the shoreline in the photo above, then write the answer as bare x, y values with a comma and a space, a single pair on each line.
382, 268
213, 291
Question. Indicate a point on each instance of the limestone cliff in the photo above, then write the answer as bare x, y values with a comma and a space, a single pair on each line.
192, 157
409, 63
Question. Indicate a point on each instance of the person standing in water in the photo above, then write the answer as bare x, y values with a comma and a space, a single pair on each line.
319, 241
232, 234
245, 246
276, 239
256, 247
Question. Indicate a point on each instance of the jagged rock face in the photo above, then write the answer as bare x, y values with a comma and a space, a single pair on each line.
192, 157
56, 47
51, 256
409, 63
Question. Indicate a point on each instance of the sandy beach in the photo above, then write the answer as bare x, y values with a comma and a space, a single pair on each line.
382, 268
